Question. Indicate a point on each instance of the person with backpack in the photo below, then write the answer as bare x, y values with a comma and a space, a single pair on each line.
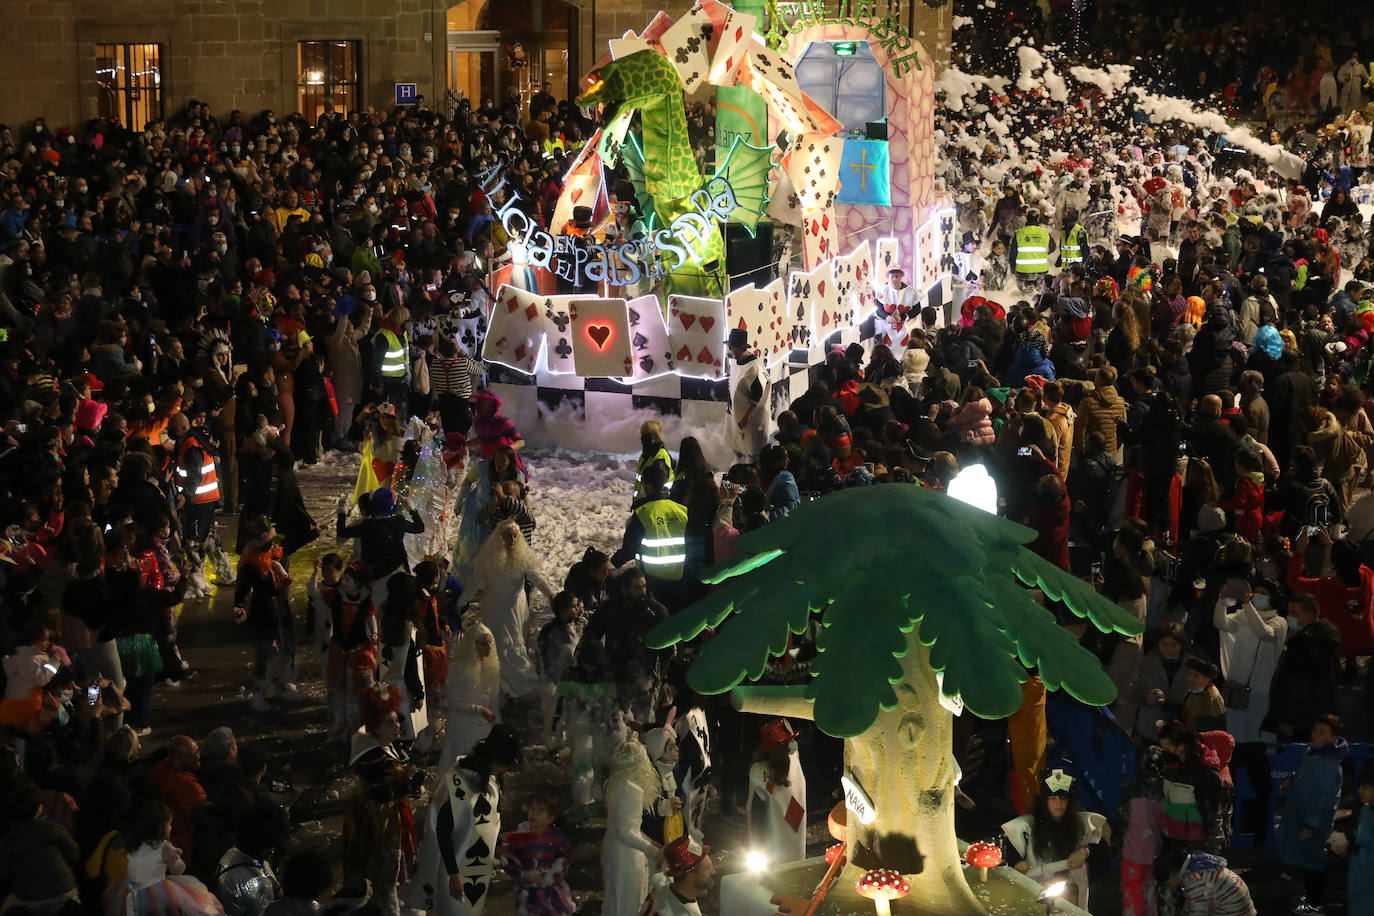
1256, 310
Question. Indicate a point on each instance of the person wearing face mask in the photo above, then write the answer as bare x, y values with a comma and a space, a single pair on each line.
1305, 683
1252, 634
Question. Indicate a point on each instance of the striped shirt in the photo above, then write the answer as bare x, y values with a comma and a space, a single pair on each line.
454, 375
1211, 889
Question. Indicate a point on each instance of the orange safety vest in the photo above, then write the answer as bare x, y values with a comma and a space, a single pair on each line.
208, 490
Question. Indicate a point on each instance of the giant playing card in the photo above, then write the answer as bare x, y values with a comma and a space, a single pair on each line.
762, 312
516, 331
649, 346
696, 335
810, 296
601, 338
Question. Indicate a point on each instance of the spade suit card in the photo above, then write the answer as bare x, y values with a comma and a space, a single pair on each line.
761, 311
649, 346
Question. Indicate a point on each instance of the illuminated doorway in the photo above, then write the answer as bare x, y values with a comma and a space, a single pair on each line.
129, 77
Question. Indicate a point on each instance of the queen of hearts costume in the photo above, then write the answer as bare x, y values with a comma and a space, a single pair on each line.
1093, 829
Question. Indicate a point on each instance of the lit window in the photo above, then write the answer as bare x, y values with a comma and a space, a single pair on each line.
129, 80
326, 72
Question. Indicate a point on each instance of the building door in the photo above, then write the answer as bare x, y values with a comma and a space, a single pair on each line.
472, 71
326, 71
129, 79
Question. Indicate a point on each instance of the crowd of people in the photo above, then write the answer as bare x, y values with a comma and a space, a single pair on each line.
1275, 62
1161, 354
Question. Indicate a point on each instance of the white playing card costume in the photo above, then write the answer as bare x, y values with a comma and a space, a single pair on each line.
476, 831
393, 660
782, 834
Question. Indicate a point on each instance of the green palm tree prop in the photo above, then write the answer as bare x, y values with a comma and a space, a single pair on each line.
913, 590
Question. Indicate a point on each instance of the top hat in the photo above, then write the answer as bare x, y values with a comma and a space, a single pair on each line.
682, 855
776, 732
739, 337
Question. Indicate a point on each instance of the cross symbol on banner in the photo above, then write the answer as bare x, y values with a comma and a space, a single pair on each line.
863, 167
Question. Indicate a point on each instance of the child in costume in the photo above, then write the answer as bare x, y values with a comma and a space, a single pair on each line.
351, 650
156, 883
536, 857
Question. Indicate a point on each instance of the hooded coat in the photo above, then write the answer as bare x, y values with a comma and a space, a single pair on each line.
1310, 806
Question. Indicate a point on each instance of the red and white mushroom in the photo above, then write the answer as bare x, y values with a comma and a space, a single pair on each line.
833, 852
983, 856
882, 885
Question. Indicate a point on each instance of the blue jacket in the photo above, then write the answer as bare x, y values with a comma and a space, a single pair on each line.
1028, 361
1311, 805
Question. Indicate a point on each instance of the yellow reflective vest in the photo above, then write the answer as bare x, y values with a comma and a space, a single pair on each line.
660, 455
1071, 251
663, 548
394, 351
1032, 250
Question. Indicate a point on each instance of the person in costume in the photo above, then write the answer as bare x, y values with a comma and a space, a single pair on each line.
589, 720
748, 431
379, 829
474, 693
433, 635
462, 826
351, 649
536, 856
1051, 843
492, 429
665, 823
777, 785
631, 791
262, 602
380, 536
500, 572
382, 443
156, 883
398, 660
690, 875
478, 488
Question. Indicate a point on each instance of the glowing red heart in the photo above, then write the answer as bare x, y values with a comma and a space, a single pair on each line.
599, 334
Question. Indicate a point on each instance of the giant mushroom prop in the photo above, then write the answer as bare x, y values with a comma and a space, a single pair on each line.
983, 856
881, 885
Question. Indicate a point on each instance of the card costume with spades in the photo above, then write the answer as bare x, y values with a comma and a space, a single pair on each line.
463, 828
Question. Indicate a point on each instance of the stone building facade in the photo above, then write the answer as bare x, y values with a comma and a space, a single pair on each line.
248, 54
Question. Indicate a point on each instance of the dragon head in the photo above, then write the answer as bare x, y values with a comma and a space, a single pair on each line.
636, 80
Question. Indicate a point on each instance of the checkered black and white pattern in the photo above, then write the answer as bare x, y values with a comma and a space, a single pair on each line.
546, 401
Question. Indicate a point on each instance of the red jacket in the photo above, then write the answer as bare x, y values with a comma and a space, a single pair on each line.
180, 791
1348, 609
1248, 505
